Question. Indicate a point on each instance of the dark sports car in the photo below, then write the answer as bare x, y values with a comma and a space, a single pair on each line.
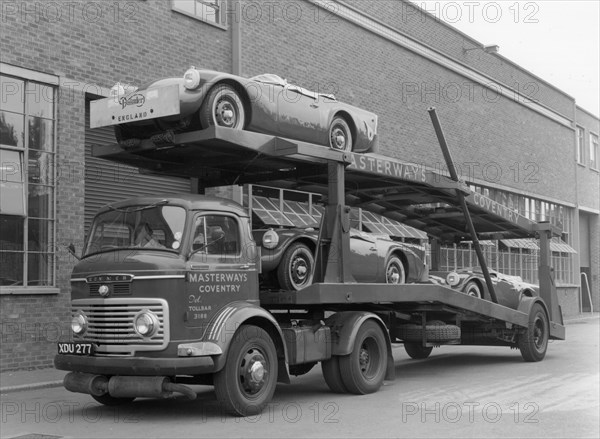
264, 103
509, 289
288, 258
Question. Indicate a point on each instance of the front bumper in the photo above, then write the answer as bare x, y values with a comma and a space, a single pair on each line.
135, 365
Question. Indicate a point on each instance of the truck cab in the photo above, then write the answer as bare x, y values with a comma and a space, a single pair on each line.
155, 273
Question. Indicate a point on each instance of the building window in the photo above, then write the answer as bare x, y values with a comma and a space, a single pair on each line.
594, 151
209, 11
27, 186
580, 145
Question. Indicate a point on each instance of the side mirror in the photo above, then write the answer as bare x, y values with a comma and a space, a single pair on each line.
71, 248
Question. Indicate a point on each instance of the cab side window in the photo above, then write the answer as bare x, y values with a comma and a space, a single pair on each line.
216, 235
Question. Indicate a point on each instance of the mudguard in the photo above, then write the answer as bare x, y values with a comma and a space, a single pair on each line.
344, 327
225, 324
526, 303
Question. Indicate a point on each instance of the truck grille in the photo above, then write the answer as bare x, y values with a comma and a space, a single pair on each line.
116, 289
110, 325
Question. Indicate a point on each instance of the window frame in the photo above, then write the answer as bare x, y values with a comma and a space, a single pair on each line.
222, 16
594, 159
580, 145
49, 251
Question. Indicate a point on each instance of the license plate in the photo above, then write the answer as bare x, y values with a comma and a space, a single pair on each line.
135, 107
75, 348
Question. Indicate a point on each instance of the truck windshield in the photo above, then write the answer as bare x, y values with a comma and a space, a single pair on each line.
155, 227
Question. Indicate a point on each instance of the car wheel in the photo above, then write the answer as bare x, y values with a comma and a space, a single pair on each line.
296, 268
533, 342
417, 351
223, 107
473, 289
112, 401
247, 382
394, 271
340, 136
363, 370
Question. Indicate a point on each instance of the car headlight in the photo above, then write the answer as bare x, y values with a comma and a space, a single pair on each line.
79, 323
453, 279
191, 78
270, 239
146, 324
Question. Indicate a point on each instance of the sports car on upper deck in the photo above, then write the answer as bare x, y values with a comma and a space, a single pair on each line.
265, 103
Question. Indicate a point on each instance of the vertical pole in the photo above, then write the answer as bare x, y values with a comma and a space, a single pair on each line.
546, 276
463, 203
334, 238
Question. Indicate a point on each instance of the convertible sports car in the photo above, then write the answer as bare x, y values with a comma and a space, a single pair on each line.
288, 258
264, 103
509, 289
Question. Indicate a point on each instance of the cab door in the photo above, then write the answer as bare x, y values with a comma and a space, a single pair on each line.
222, 268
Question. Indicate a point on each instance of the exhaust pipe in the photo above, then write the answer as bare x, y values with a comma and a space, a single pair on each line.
125, 386
96, 385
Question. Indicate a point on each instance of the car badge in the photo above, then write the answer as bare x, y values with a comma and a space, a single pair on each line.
103, 290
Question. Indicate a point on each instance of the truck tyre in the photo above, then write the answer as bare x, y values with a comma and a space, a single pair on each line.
533, 342
417, 351
435, 332
394, 271
340, 136
223, 107
473, 289
247, 382
363, 370
332, 374
297, 267
301, 369
111, 401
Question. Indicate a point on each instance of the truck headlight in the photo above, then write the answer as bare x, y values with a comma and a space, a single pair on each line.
146, 324
453, 279
191, 78
270, 239
79, 323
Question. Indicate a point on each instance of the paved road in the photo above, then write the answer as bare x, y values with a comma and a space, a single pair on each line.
457, 392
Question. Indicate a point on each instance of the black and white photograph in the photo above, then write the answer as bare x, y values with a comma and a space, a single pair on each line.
299, 218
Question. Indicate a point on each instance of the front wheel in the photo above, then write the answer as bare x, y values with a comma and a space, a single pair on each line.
417, 351
111, 401
223, 107
533, 342
340, 136
296, 268
473, 289
247, 382
394, 271
363, 370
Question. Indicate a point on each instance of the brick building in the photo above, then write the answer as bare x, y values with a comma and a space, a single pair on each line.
514, 136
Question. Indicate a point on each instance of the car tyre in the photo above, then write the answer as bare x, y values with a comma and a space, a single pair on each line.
333, 375
394, 271
417, 351
363, 370
340, 136
112, 401
435, 332
473, 289
247, 382
223, 107
533, 342
296, 268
